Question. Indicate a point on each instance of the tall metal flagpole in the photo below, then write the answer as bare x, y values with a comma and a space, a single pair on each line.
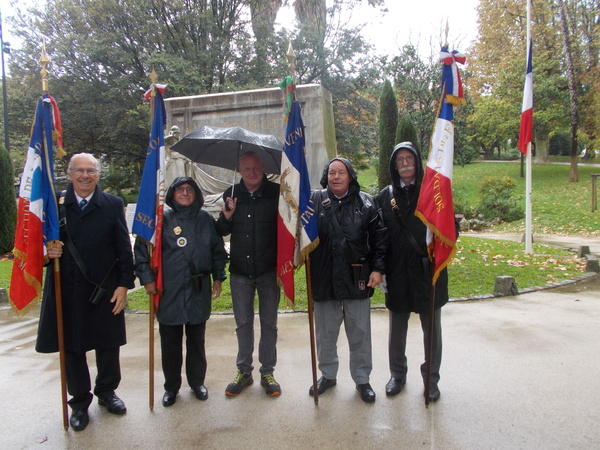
44, 61
528, 181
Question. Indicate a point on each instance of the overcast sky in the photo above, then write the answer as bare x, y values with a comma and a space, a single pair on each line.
416, 22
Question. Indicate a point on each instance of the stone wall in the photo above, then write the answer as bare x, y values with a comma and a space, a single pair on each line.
261, 111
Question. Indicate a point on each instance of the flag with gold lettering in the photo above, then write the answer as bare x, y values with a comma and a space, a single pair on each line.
147, 222
435, 206
297, 233
37, 213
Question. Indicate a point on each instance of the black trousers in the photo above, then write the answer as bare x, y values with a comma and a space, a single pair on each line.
171, 339
78, 376
397, 344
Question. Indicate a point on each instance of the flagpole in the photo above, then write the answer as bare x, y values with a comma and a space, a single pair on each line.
153, 78
44, 61
291, 57
528, 178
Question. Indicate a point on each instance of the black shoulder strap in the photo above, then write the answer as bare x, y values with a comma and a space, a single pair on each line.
62, 214
407, 232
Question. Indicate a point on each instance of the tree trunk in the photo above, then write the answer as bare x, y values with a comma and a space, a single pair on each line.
573, 175
542, 148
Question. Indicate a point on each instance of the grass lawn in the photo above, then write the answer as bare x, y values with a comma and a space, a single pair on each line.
559, 207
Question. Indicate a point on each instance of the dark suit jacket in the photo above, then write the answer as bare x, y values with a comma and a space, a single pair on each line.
100, 235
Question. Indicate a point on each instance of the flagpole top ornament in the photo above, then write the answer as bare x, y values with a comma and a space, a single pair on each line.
44, 62
153, 78
291, 57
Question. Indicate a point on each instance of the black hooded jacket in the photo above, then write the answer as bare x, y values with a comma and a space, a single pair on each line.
363, 240
180, 303
408, 283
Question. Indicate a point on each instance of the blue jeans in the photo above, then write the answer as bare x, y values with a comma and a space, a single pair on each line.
243, 290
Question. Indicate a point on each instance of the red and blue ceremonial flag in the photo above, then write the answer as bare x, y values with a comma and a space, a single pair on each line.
297, 233
526, 132
37, 213
147, 222
435, 206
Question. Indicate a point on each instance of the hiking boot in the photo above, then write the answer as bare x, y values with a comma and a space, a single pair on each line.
240, 382
271, 386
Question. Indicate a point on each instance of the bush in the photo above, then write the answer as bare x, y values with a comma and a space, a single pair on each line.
497, 202
8, 205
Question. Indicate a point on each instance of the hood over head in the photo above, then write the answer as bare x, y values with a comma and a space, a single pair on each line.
418, 163
354, 186
178, 182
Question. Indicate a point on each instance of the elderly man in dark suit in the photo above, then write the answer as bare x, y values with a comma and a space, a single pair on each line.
96, 271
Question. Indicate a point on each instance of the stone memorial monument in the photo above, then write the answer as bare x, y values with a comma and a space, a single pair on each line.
259, 110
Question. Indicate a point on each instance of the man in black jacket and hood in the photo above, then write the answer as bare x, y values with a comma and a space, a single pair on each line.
408, 277
192, 254
346, 265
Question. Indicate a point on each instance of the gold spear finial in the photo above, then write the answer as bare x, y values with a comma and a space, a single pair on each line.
44, 62
153, 78
291, 57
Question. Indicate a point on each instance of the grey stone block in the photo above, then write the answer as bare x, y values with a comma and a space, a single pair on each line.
591, 264
583, 250
3, 296
506, 285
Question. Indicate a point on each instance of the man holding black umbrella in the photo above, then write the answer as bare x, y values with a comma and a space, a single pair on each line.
250, 216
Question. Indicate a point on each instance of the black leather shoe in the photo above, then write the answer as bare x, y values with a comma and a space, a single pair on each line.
201, 392
114, 404
169, 398
434, 394
366, 392
322, 385
79, 420
394, 386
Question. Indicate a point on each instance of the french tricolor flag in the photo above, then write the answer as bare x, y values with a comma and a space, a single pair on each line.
435, 206
526, 133
297, 233
147, 222
37, 219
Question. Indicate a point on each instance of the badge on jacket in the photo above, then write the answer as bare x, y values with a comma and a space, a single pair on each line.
182, 242
177, 230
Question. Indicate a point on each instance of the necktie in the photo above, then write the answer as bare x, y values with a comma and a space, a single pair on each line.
83, 204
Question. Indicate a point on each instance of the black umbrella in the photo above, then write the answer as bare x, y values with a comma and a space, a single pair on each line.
222, 147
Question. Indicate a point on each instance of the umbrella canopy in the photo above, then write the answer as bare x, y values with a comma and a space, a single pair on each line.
222, 147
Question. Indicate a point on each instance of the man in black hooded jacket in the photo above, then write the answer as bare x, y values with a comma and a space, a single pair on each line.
408, 278
346, 265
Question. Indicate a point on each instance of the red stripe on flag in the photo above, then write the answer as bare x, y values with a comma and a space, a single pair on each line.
26, 276
286, 245
526, 132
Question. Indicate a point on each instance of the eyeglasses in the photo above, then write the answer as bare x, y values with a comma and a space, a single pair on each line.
184, 189
82, 171
409, 159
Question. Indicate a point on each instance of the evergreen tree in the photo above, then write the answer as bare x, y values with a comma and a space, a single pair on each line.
388, 121
407, 132
8, 206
